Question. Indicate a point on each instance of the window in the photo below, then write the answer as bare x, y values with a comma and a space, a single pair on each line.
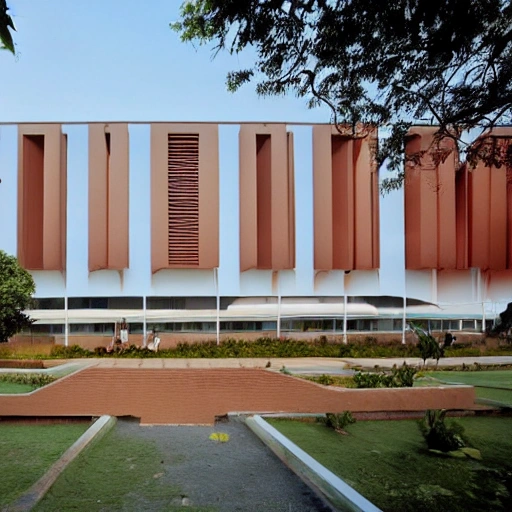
78, 303
53, 303
397, 324
451, 325
165, 303
183, 327
105, 303
42, 329
240, 326
96, 329
468, 325
436, 325
99, 303
364, 325
306, 325
125, 303
136, 328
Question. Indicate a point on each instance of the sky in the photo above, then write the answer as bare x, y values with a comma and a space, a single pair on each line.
118, 60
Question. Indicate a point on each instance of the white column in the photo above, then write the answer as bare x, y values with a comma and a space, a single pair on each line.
144, 323
216, 276
403, 320
345, 302
66, 325
278, 307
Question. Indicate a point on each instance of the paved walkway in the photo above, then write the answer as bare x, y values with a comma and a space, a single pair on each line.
239, 475
297, 365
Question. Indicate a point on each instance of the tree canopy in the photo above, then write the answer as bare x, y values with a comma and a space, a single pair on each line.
6, 24
389, 63
16, 290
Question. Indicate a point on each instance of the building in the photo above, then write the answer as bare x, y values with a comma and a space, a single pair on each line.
204, 230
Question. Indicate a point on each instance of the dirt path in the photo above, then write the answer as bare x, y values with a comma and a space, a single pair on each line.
238, 475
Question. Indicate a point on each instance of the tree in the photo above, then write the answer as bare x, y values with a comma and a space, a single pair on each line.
6, 23
16, 290
394, 63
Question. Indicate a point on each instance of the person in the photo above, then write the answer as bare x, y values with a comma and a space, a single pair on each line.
148, 339
123, 332
449, 339
155, 341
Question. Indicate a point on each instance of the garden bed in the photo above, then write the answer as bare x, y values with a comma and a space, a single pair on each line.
261, 347
388, 463
13, 383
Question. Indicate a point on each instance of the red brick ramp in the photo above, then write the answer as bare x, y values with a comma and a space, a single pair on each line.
196, 396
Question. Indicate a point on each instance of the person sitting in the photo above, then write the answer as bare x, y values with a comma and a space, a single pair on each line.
154, 343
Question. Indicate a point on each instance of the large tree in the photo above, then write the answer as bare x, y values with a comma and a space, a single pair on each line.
6, 25
16, 290
387, 62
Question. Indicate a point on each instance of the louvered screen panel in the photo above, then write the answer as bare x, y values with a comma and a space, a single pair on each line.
183, 198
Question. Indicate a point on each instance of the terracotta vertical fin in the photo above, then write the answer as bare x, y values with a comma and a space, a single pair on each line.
41, 182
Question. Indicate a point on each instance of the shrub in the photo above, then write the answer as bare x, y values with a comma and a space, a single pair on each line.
342, 381
370, 348
324, 379
372, 380
336, 421
73, 351
36, 380
438, 435
401, 377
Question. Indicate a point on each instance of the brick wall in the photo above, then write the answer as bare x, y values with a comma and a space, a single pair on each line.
196, 396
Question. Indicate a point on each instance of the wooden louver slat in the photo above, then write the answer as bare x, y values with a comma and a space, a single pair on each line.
183, 198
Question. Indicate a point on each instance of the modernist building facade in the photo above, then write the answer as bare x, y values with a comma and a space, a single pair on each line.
202, 230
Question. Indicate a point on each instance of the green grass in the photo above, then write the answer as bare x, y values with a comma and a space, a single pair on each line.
493, 385
388, 463
27, 451
501, 396
11, 388
117, 473
492, 379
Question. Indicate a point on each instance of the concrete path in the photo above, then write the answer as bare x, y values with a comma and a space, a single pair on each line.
298, 365
239, 475
416, 361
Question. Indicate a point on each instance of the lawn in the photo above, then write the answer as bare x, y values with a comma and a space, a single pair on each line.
117, 473
387, 462
27, 451
492, 379
489, 385
9, 388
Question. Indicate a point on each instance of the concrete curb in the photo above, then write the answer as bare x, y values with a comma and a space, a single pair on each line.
30, 498
335, 490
